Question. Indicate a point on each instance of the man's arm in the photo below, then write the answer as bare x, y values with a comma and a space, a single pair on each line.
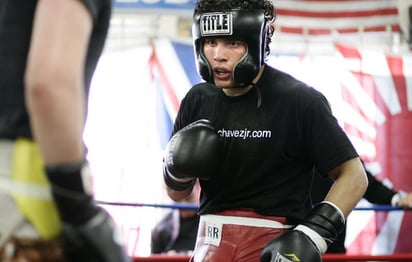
54, 79
311, 238
192, 153
178, 195
56, 103
350, 184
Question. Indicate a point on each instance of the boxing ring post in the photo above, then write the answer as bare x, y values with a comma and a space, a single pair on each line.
325, 258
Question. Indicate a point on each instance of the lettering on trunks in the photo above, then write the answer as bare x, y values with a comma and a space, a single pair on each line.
216, 24
213, 233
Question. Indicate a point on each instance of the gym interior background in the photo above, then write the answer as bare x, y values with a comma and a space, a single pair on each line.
147, 66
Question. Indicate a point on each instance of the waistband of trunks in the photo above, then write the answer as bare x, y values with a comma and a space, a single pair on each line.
245, 218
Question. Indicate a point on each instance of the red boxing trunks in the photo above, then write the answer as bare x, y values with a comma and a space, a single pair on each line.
235, 235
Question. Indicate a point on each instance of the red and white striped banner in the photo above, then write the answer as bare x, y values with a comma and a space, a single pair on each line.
377, 89
325, 17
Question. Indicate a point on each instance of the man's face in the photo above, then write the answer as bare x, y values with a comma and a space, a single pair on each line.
223, 54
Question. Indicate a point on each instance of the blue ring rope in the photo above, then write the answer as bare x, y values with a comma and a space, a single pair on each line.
195, 207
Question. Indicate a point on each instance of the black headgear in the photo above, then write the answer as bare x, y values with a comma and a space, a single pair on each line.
250, 26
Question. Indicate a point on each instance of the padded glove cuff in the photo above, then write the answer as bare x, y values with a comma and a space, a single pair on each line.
177, 185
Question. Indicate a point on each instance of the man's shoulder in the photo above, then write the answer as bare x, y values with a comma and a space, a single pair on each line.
281, 78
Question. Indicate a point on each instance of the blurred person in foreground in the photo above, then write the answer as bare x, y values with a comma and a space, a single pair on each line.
175, 233
251, 135
48, 53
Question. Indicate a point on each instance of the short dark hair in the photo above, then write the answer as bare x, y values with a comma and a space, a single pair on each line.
204, 6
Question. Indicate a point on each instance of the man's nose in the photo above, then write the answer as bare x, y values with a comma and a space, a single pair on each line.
219, 52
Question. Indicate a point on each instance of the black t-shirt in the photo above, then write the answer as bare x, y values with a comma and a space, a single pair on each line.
16, 19
273, 137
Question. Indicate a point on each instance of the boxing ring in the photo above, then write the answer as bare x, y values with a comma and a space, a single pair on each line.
326, 257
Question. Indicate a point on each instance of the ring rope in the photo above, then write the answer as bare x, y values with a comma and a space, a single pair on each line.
325, 258
195, 207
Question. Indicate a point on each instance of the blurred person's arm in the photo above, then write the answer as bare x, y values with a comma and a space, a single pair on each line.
403, 200
378, 193
54, 79
55, 95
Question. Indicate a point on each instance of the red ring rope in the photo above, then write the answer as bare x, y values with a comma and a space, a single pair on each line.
326, 258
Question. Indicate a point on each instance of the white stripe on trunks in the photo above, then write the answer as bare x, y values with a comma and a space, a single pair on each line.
24, 189
242, 221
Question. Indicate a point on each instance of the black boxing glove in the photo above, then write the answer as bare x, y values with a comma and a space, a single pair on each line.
195, 151
96, 240
88, 232
291, 246
308, 241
